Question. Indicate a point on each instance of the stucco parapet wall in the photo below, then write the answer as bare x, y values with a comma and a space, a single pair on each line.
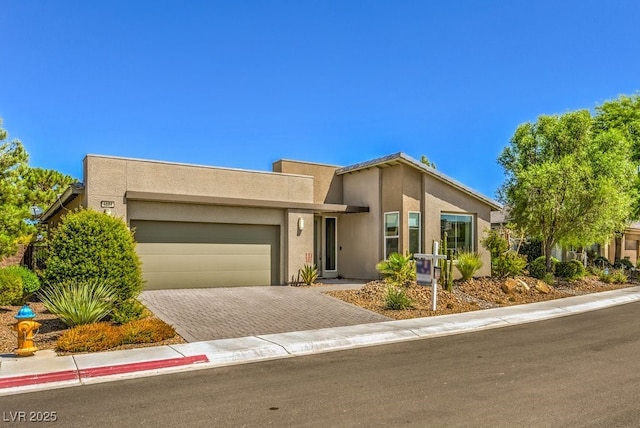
238, 202
193, 165
402, 158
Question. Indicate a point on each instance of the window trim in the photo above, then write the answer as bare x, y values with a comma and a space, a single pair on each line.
384, 231
419, 230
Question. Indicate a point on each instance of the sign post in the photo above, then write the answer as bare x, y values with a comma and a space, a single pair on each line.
427, 273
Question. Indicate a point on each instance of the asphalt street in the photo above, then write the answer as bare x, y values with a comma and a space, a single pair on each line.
581, 370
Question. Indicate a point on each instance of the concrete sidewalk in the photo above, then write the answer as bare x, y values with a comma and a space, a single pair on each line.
47, 371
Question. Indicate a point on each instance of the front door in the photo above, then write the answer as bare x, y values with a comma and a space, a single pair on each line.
326, 246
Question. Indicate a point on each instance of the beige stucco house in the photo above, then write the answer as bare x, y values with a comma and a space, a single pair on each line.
201, 226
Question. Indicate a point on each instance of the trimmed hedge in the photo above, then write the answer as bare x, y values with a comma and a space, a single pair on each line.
572, 269
538, 268
89, 245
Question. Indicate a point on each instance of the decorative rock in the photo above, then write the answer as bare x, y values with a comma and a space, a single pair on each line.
509, 286
524, 285
542, 287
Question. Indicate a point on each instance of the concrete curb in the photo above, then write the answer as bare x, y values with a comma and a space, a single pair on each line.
48, 372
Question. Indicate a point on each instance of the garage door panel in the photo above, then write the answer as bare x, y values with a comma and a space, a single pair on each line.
164, 262
193, 255
204, 249
204, 279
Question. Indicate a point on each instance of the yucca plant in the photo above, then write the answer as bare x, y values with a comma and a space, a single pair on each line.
397, 269
468, 264
80, 302
308, 274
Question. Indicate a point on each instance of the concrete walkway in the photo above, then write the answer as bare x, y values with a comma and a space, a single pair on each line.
223, 313
47, 371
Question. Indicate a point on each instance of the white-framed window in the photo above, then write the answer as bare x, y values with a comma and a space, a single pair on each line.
391, 233
459, 230
415, 232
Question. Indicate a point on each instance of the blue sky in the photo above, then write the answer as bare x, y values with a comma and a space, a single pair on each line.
244, 83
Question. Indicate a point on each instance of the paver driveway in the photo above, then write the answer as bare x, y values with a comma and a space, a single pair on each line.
218, 313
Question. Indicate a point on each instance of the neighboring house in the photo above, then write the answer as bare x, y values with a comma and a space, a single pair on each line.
624, 246
200, 226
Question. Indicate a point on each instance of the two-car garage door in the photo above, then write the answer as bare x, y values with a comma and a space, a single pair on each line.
196, 255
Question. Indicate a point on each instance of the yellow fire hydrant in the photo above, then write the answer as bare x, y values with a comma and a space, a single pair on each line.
26, 328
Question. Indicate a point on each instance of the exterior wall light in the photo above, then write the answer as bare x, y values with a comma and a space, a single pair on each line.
300, 223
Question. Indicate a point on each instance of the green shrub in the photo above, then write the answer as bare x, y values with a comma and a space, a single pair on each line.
580, 269
10, 287
572, 269
602, 274
91, 245
532, 249
129, 310
308, 274
623, 264
30, 281
609, 276
79, 302
538, 268
397, 269
396, 298
468, 264
601, 262
618, 276
566, 270
508, 264
549, 278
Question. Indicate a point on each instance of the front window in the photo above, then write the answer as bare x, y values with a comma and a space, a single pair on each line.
414, 233
391, 233
459, 232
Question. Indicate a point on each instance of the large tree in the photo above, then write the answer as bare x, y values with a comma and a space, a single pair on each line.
22, 187
623, 114
13, 163
568, 182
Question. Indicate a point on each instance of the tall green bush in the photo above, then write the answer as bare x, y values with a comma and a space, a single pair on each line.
509, 264
91, 245
495, 242
504, 262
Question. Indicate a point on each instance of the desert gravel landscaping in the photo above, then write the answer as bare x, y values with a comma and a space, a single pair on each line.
472, 295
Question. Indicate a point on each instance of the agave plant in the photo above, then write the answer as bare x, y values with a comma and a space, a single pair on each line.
308, 274
79, 302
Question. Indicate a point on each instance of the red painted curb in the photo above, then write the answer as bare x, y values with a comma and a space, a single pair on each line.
145, 365
35, 379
